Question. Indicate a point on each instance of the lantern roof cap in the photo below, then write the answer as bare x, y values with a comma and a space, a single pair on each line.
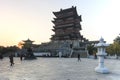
101, 43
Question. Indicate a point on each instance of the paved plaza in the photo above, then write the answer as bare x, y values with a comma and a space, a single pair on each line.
58, 69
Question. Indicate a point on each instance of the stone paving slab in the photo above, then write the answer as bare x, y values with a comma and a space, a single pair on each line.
58, 69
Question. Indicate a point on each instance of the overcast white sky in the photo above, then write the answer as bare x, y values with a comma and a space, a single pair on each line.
23, 19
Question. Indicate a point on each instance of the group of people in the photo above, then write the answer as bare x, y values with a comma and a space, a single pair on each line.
11, 57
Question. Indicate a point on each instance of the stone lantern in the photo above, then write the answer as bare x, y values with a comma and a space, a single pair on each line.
101, 54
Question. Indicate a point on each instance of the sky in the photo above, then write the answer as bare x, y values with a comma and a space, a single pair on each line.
23, 19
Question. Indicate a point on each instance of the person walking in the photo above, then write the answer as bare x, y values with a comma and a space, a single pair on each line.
1, 56
11, 60
21, 57
79, 57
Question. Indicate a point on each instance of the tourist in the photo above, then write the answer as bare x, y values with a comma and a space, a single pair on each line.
21, 57
1, 56
79, 57
11, 60
95, 56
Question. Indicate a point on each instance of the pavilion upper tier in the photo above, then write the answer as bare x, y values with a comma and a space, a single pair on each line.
67, 25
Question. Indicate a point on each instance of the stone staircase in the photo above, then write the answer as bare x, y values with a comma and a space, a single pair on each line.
83, 54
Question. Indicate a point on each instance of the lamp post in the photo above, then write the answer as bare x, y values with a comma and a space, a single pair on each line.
101, 54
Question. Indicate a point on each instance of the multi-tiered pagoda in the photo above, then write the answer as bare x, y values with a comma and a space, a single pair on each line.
67, 25
67, 29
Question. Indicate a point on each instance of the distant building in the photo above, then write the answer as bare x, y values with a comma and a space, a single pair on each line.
28, 48
67, 25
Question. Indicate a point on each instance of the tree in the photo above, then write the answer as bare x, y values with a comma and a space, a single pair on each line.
117, 39
114, 49
7, 50
110, 50
91, 49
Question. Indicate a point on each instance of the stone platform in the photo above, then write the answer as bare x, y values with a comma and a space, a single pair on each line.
57, 69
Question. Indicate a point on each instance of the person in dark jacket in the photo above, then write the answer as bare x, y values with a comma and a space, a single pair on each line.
1, 56
79, 57
11, 60
21, 57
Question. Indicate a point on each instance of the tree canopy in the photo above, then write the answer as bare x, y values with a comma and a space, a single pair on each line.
114, 49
